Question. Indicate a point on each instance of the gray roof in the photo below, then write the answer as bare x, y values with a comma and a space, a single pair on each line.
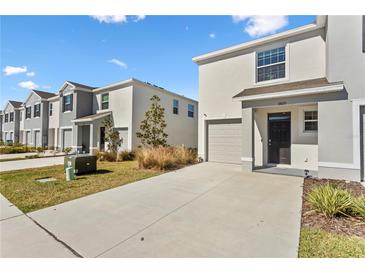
312, 83
15, 104
44, 94
81, 85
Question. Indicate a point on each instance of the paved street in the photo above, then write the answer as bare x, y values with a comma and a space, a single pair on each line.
30, 163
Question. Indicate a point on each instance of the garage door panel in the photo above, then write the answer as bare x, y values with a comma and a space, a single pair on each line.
67, 138
225, 141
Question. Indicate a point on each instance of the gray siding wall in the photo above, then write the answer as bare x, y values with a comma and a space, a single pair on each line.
12, 126
84, 103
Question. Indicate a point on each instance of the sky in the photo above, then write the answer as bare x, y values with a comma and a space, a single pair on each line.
43, 52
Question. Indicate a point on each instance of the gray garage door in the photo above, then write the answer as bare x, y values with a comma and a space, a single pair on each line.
37, 138
225, 141
27, 138
67, 138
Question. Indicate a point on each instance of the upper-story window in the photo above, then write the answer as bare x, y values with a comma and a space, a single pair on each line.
105, 101
271, 64
190, 110
11, 116
28, 112
67, 102
37, 110
311, 120
50, 109
6, 117
175, 106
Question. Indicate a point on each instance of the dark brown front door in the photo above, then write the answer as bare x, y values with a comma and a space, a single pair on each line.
279, 138
102, 138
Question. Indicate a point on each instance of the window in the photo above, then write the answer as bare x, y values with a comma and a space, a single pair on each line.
67, 102
6, 117
11, 116
50, 109
271, 64
105, 101
311, 120
37, 110
175, 106
190, 110
28, 112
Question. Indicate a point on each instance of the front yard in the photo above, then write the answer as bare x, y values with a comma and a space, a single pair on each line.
22, 189
338, 236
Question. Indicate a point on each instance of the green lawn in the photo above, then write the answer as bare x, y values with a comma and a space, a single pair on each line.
20, 187
315, 243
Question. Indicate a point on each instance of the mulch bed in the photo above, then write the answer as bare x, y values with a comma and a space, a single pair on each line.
344, 225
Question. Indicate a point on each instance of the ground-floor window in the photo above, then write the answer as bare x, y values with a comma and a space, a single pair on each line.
311, 120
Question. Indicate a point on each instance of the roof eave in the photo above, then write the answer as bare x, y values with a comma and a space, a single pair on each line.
258, 42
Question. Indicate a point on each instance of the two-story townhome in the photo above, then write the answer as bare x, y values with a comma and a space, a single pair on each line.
125, 103
75, 101
77, 112
293, 100
11, 123
34, 126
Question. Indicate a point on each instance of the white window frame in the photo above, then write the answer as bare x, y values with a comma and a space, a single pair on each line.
284, 44
304, 121
177, 107
101, 101
34, 109
30, 117
193, 111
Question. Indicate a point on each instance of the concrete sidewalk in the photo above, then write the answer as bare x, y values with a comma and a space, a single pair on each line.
206, 210
21, 237
31, 163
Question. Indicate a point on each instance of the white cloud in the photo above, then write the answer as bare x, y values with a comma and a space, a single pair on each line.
30, 73
138, 18
212, 35
9, 70
28, 85
110, 18
118, 63
260, 25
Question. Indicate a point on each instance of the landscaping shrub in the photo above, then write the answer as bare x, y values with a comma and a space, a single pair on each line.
163, 158
358, 207
15, 149
126, 155
67, 150
330, 200
32, 156
106, 156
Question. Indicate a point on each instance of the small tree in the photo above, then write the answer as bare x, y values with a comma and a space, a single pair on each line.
111, 136
152, 127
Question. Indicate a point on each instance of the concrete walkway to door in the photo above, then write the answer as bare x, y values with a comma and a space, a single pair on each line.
206, 210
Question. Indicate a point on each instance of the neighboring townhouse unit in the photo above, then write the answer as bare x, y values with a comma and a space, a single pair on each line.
11, 121
295, 100
125, 103
34, 126
73, 118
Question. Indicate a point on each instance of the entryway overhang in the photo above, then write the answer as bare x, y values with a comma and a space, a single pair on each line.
91, 118
293, 92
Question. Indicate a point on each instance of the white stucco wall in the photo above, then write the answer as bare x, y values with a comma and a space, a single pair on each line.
181, 129
220, 80
304, 145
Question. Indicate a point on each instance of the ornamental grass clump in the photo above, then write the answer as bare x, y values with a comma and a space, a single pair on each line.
331, 200
165, 158
358, 207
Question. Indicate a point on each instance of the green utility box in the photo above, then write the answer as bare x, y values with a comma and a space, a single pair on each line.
81, 164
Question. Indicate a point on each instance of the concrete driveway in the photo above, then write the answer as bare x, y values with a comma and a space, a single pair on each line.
206, 210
